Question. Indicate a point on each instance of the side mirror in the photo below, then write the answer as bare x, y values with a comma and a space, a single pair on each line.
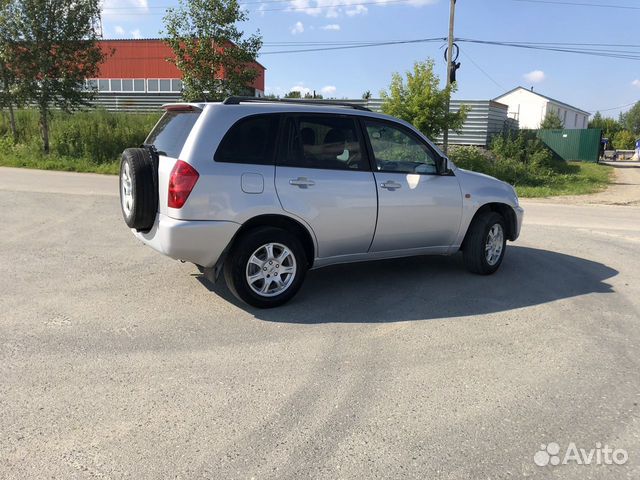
444, 166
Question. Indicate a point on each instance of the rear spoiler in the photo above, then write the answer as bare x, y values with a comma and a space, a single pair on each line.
181, 107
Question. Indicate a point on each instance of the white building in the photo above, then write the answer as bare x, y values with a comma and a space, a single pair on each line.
530, 108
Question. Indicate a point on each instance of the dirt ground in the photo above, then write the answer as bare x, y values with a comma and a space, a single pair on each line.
625, 189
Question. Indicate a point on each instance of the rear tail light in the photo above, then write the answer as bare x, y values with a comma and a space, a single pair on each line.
181, 181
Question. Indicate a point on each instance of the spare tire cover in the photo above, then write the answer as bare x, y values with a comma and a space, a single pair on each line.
138, 188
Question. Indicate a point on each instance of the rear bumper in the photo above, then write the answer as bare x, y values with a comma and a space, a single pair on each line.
199, 242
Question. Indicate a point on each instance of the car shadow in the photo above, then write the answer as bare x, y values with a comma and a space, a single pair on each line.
423, 288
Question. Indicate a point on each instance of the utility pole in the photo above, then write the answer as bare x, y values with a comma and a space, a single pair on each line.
452, 13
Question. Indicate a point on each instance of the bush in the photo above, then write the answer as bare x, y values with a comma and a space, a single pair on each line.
91, 137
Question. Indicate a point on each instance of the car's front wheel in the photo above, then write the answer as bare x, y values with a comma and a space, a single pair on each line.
485, 244
266, 267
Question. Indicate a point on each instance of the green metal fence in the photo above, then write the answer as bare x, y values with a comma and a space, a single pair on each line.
573, 145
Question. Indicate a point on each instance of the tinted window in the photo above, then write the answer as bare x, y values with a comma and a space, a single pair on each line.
397, 150
251, 140
320, 141
171, 132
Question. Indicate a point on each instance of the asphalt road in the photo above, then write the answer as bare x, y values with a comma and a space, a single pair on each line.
116, 362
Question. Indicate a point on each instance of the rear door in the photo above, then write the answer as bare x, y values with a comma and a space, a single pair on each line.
168, 137
323, 177
418, 207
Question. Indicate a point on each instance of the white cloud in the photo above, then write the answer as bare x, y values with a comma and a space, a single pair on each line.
119, 30
636, 83
331, 26
121, 9
301, 88
356, 10
535, 76
136, 33
336, 8
328, 90
297, 28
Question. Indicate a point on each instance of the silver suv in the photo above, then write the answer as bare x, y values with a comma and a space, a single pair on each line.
265, 190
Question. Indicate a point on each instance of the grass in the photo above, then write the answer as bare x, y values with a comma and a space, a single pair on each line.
532, 168
31, 159
585, 178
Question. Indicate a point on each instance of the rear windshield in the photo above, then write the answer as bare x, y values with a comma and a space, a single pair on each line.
171, 132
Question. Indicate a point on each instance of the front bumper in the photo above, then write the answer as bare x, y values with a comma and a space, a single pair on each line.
519, 217
199, 242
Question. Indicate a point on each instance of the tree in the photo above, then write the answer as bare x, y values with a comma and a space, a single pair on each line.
421, 102
215, 58
293, 94
609, 126
9, 97
366, 95
631, 119
54, 50
624, 140
551, 122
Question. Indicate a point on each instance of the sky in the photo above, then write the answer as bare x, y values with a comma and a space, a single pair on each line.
587, 82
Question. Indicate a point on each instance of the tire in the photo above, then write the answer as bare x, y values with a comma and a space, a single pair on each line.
476, 257
250, 257
138, 188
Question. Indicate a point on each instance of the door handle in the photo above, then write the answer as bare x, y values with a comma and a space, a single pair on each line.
302, 182
390, 185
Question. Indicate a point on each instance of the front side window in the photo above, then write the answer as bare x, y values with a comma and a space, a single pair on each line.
251, 140
397, 150
322, 141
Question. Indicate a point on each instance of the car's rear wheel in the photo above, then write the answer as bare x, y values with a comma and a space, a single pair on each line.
486, 243
266, 267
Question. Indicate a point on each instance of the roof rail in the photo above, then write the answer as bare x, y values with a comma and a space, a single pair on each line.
237, 100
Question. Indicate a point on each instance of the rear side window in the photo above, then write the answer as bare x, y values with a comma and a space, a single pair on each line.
250, 140
171, 132
322, 141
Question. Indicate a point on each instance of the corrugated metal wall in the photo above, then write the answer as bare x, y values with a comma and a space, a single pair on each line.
132, 102
485, 119
573, 145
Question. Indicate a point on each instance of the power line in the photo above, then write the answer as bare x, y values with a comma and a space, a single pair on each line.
579, 4
361, 45
605, 53
482, 70
614, 108
593, 52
